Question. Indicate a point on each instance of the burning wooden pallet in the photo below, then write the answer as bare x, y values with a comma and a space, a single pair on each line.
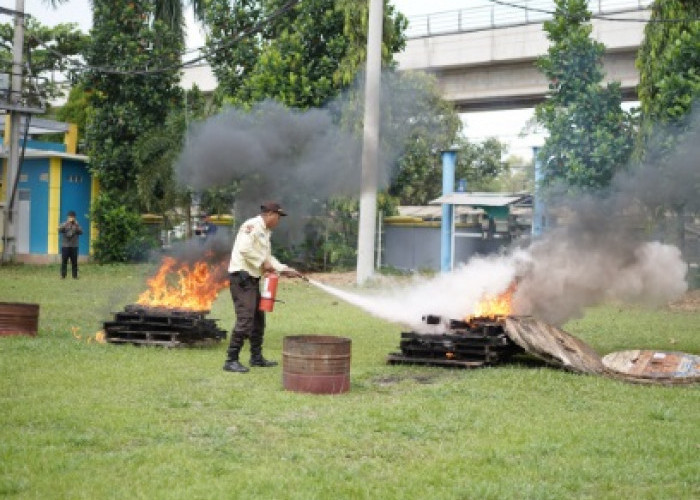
468, 344
160, 326
483, 341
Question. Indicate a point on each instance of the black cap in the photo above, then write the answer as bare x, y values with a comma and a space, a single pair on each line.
272, 206
71, 213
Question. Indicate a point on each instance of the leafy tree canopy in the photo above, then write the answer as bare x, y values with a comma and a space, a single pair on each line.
421, 124
590, 136
669, 72
127, 103
50, 51
75, 110
301, 58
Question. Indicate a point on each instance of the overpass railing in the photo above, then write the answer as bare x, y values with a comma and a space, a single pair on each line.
498, 15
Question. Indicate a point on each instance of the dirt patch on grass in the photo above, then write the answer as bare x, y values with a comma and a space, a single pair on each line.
690, 302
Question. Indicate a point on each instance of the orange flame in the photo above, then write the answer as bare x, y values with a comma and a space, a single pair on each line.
183, 286
494, 306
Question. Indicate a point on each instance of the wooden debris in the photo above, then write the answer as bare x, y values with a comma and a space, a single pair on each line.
553, 345
645, 366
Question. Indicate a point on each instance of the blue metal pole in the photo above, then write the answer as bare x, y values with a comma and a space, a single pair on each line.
448, 187
538, 208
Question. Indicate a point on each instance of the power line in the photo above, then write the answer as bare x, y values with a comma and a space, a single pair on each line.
80, 66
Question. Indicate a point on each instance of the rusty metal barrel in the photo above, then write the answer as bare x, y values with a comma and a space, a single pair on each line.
319, 364
17, 318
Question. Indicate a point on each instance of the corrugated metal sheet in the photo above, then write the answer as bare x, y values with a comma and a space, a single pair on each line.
434, 212
33, 153
479, 199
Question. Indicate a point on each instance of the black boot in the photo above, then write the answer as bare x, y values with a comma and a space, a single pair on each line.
232, 364
258, 360
235, 366
256, 357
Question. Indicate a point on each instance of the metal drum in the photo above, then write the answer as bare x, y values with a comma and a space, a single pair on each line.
19, 319
319, 364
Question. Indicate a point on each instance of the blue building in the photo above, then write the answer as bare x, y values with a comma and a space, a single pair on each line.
52, 180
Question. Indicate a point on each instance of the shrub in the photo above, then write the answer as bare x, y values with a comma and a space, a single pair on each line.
122, 236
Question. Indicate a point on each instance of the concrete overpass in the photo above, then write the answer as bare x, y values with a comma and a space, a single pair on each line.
483, 65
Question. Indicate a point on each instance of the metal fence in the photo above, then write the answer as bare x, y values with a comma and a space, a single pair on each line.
495, 15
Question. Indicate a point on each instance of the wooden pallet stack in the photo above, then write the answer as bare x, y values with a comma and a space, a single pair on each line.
479, 342
143, 325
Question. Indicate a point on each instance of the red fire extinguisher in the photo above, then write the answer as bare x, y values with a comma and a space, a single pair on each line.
269, 290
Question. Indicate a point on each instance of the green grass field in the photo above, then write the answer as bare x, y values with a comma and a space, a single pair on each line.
80, 419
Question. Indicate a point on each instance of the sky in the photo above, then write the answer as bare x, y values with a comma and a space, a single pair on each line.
504, 125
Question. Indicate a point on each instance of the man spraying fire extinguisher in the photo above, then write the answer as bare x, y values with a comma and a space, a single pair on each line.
251, 259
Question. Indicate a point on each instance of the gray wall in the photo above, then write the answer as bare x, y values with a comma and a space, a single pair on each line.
417, 248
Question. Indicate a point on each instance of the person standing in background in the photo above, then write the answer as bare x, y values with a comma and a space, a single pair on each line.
208, 228
70, 232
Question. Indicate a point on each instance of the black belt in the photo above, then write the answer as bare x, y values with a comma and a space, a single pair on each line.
244, 275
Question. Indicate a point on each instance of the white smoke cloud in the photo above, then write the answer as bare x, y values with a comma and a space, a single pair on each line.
556, 282
452, 295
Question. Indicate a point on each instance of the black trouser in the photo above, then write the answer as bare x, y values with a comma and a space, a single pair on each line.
72, 254
250, 322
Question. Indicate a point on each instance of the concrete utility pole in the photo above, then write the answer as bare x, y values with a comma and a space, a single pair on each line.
9, 219
370, 145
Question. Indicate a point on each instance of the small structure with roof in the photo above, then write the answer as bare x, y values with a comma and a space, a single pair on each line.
482, 224
52, 180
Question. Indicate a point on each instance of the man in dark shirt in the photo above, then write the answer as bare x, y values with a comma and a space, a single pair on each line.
209, 228
70, 231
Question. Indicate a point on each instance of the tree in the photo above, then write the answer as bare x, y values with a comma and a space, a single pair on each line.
481, 164
231, 54
331, 235
132, 82
669, 74
156, 151
301, 58
75, 110
420, 124
416, 123
518, 176
590, 136
49, 50
669, 93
